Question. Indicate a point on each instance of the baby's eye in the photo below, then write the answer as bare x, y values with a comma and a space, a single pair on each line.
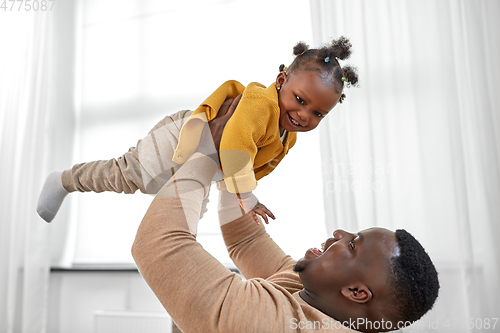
351, 244
317, 114
300, 100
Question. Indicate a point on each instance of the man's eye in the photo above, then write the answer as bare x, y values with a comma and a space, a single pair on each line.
317, 114
300, 100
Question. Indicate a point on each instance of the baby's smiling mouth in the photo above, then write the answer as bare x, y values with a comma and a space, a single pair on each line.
294, 121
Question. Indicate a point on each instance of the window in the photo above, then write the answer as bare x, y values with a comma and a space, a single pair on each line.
143, 60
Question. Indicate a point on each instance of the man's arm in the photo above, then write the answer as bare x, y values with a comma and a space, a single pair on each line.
249, 245
187, 280
198, 292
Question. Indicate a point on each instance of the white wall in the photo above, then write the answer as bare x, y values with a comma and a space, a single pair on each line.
75, 296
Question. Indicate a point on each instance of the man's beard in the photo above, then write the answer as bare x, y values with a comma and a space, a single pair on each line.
298, 268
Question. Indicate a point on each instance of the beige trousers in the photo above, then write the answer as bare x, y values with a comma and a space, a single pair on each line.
146, 167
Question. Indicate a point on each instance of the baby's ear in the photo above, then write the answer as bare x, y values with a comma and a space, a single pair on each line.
280, 79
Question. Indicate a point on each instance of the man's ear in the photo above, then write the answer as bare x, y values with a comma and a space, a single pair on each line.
280, 79
358, 293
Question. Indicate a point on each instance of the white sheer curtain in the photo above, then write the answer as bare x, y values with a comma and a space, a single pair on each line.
417, 146
25, 88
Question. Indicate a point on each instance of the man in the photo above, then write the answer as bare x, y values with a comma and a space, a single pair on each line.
375, 280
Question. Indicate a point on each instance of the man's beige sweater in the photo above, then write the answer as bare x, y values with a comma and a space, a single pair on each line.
199, 293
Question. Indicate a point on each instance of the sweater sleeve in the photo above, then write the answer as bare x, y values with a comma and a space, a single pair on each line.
189, 136
199, 293
252, 250
249, 245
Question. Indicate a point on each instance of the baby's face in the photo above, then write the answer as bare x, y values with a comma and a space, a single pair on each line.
304, 100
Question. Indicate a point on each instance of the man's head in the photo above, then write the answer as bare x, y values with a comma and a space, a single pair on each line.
376, 275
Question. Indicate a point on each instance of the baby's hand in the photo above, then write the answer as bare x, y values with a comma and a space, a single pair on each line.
261, 210
247, 200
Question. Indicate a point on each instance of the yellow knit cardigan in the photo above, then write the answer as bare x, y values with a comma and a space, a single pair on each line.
250, 147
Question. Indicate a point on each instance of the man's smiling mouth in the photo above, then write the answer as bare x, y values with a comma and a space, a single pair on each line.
316, 251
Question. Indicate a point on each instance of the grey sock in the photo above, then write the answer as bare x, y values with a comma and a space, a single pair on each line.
51, 197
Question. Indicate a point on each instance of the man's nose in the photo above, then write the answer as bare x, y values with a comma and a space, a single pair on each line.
339, 234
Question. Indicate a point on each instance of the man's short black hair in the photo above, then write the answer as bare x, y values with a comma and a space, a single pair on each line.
415, 279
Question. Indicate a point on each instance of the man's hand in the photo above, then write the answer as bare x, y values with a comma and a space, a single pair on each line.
219, 122
212, 134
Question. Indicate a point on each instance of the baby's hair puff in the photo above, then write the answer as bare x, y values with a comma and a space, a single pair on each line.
300, 48
325, 61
